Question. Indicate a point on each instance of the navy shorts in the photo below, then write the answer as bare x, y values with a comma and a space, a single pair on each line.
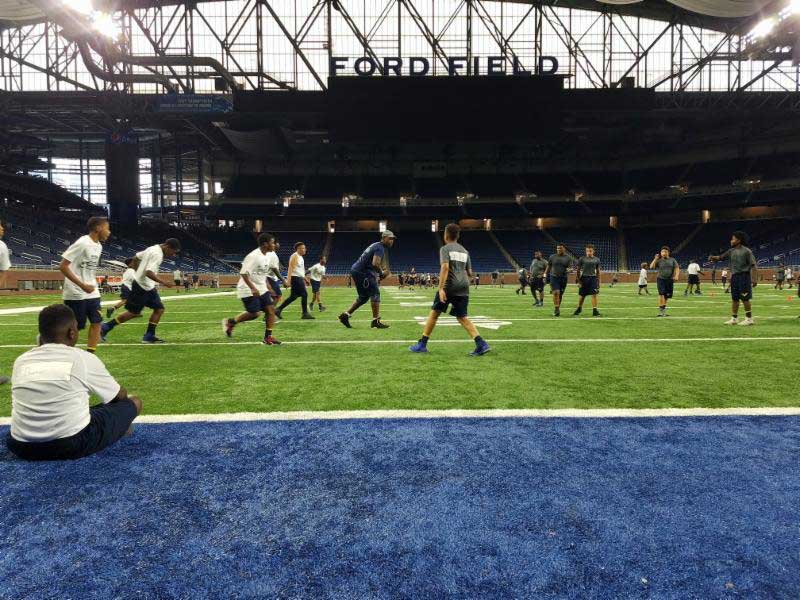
367, 285
523, 282
275, 284
86, 310
537, 284
315, 285
590, 286
665, 287
124, 292
140, 298
558, 283
257, 304
108, 423
693, 280
458, 305
741, 287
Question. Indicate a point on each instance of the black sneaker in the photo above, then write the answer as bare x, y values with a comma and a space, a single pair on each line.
270, 341
308, 317
321, 308
109, 312
557, 313
577, 312
378, 324
596, 313
344, 319
278, 314
151, 339
227, 327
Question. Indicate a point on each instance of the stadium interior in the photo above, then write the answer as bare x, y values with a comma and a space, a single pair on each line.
624, 124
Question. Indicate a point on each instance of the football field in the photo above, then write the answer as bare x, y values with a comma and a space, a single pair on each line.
203, 501
627, 358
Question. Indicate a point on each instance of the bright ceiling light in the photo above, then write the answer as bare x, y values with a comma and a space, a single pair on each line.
81, 6
794, 7
763, 29
105, 24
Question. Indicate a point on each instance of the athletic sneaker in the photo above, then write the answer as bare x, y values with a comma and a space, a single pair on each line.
378, 324
577, 312
732, 321
308, 316
321, 308
278, 313
104, 329
480, 349
227, 327
419, 348
344, 319
596, 313
109, 312
270, 341
152, 339
4, 380
747, 321
557, 312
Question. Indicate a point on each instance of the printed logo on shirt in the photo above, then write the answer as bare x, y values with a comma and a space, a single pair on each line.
42, 371
458, 256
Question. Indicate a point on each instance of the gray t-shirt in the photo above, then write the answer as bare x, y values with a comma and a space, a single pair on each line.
666, 267
538, 267
559, 264
742, 259
589, 267
457, 257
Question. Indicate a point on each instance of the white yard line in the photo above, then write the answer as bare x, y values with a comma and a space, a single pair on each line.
563, 413
435, 342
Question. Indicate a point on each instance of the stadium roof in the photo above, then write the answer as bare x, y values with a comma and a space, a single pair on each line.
712, 14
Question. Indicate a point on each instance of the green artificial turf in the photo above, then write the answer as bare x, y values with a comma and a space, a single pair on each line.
537, 361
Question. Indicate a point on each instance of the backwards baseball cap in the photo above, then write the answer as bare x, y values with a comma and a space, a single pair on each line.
388, 234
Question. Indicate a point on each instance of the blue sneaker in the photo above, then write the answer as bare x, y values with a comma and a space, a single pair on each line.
104, 329
152, 339
419, 348
480, 350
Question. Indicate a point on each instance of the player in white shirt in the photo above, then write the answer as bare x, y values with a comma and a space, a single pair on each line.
316, 274
789, 276
274, 277
177, 279
144, 293
79, 265
297, 276
128, 276
51, 386
5, 265
253, 290
643, 280
724, 279
693, 272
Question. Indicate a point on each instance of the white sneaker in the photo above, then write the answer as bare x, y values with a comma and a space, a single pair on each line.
732, 321
747, 321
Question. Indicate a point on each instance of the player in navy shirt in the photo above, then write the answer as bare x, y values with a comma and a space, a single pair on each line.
367, 271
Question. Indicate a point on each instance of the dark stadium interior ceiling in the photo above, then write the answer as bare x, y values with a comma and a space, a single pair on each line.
600, 147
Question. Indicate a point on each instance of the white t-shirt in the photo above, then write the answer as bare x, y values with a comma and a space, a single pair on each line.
5, 257
643, 277
273, 265
150, 259
724, 273
788, 272
84, 258
50, 389
299, 266
176, 275
256, 265
317, 272
127, 277
693, 269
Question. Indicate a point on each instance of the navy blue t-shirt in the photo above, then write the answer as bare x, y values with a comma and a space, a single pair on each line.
364, 263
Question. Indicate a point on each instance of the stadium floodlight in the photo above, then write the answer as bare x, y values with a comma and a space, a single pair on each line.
763, 29
104, 24
84, 7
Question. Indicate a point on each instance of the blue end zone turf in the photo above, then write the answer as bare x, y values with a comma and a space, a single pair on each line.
607, 508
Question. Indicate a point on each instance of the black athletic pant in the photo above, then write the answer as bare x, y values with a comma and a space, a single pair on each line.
109, 422
298, 291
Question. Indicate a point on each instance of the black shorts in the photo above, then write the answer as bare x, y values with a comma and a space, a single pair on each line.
108, 423
458, 305
523, 282
724, 279
558, 283
315, 285
642, 286
694, 279
257, 304
275, 286
124, 292
298, 286
86, 310
177, 282
368, 287
590, 285
537, 284
665, 287
741, 287
140, 298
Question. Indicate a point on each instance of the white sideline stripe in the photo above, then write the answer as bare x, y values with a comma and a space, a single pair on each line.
30, 309
535, 413
462, 341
